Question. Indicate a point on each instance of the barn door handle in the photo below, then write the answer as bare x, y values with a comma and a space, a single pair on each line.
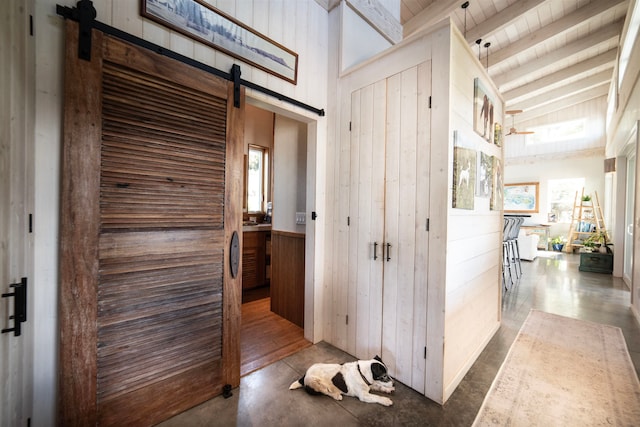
375, 251
19, 306
388, 252
234, 254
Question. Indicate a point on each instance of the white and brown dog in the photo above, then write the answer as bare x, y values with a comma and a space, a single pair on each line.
355, 379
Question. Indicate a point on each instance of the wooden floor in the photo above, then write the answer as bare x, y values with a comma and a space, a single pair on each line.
266, 337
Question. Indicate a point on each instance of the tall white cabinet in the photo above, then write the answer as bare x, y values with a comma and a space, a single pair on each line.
411, 278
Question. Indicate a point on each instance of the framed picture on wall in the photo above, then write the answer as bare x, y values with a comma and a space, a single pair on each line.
464, 177
482, 111
495, 202
485, 175
497, 134
204, 23
521, 197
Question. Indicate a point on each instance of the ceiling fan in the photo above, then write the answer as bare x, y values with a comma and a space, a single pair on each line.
512, 130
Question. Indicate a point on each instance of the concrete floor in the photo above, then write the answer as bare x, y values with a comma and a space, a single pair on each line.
551, 283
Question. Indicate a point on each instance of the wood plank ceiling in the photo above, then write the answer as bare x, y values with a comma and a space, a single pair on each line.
545, 55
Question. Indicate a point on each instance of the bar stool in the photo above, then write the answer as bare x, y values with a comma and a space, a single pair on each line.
506, 253
514, 247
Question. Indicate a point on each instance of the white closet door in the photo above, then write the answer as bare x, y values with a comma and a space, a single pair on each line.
366, 218
406, 214
389, 152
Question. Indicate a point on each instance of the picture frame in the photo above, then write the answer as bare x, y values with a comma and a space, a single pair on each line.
497, 193
484, 180
464, 178
208, 25
521, 197
497, 134
482, 111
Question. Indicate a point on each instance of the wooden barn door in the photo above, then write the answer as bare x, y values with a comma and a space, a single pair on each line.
389, 188
151, 194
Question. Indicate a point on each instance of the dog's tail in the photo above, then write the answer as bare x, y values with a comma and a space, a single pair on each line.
297, 384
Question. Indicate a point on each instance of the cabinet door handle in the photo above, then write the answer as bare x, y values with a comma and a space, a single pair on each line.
388, 252
19, 306
375, 251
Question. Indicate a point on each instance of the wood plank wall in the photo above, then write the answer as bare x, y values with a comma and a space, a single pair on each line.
287, 275
17, 167
474, 237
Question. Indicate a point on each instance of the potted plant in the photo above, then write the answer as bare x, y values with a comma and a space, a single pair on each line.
599, 241
586, 199
557, 243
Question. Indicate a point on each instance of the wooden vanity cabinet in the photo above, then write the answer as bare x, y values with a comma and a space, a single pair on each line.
254, 259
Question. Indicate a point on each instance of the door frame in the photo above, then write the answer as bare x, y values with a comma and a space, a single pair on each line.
313, 296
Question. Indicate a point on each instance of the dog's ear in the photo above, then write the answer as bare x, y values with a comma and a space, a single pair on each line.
379, 372
378, 359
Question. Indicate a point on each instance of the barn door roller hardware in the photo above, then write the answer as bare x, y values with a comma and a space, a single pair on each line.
19, 295
85, 15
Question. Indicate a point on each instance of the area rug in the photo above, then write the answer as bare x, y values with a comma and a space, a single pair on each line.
564, 372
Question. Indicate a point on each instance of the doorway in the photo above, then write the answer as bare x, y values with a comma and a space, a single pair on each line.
273, 300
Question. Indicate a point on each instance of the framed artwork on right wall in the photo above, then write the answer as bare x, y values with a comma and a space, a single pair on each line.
482, 111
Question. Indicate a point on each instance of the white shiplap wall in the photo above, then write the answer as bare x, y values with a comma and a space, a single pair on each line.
474, 237
301, 25
16, 203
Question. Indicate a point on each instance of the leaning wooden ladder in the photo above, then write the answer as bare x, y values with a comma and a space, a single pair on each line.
586, 220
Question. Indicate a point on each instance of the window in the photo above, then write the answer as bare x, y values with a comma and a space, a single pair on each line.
563, 131
257, 178
562, 196
628, 42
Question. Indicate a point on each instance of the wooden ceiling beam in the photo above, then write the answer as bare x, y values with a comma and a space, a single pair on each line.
497, 22
580, 17
561, 104
376, 15
604, 60
554, 94
328, 4
435, 12
589, 42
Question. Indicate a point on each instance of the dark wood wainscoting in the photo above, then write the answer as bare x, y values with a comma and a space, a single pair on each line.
287, 275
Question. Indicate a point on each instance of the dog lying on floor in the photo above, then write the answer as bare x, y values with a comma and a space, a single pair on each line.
355, 379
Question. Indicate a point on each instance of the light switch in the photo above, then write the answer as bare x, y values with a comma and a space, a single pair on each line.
301, 218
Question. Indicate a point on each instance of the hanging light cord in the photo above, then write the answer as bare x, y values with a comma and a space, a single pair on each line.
487, 44
464, 6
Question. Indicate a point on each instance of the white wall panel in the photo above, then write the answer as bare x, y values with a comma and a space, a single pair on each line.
474, 237
360, 41
289, 174
16, 195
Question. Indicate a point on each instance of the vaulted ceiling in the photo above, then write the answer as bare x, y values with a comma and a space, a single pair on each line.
544, 55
